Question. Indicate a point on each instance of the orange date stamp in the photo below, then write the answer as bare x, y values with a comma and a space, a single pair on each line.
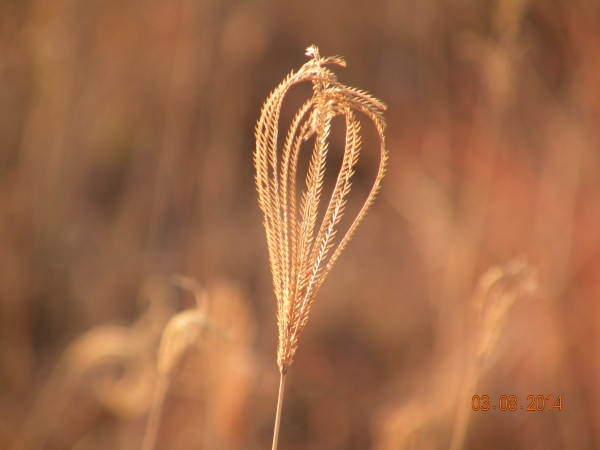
510, 403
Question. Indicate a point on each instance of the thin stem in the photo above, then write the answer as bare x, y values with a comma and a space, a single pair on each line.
461, 422
278, 414
162, 386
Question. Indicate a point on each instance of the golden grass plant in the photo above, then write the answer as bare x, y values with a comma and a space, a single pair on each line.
496, 291
182, 332
416, 423
130, 369
301, 253
221, 328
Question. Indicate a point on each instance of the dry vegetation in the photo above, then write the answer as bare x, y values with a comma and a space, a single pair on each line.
301, 252
126, 156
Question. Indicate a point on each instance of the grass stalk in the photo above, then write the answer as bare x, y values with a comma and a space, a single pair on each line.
278, 413
461, 422
151, 432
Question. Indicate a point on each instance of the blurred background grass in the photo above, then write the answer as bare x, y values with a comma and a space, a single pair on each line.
126, 140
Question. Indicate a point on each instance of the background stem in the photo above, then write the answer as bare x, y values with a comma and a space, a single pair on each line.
155, 412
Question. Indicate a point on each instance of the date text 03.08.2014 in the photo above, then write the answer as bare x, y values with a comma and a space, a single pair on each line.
510, 403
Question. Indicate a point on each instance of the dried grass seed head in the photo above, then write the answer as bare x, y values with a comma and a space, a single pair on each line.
496, 292
184, 329
301, 252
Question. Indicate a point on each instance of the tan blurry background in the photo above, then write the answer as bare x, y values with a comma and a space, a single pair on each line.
126, 140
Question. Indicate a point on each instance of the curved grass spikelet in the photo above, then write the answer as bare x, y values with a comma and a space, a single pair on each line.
183, 331
301, 251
